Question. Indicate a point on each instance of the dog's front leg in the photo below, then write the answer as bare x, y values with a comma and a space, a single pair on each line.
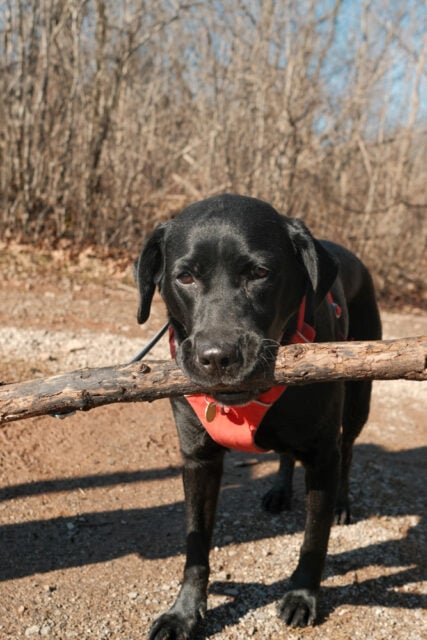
299, 605
201, 487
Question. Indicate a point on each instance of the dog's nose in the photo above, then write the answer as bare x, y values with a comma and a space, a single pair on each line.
216, 358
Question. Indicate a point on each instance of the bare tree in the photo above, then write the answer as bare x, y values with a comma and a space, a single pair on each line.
115, 115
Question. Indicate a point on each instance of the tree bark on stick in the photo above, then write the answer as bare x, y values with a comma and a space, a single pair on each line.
295, 364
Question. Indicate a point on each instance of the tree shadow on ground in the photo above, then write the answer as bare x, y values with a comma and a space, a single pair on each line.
384, 483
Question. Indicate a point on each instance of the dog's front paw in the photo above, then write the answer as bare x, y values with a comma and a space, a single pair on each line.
172, 626
298, 608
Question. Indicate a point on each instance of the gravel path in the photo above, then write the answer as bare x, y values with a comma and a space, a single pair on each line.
91, 508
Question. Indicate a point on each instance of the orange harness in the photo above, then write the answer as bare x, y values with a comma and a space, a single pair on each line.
236, 427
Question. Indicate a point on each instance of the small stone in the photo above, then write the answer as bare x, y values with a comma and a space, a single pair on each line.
32, 631
223, 575
45, 630
133, 595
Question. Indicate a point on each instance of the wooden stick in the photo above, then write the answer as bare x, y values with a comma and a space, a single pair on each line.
296, 364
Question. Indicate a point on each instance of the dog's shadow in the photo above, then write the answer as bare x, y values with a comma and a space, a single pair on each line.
384, 484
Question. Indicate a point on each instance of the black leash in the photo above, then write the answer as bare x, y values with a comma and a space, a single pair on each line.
151, 344
65, 414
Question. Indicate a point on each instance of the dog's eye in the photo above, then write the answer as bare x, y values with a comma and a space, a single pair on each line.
259, 273
186, 278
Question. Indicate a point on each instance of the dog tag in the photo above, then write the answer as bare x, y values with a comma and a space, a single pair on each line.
210, 411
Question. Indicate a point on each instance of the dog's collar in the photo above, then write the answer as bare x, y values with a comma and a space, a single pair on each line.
236, 427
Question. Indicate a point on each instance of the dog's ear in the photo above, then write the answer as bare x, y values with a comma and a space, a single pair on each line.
320, 267
147, 271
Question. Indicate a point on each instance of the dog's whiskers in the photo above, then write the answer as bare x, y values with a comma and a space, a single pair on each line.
270, 342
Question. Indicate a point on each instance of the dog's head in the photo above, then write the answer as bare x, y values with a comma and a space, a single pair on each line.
232, 272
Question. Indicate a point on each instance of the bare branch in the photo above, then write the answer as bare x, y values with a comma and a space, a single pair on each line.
296, 364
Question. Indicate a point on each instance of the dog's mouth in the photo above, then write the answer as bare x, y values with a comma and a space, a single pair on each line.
235, 398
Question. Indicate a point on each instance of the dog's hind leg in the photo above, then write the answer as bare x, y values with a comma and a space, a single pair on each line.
364, 324
356, 411
279, 497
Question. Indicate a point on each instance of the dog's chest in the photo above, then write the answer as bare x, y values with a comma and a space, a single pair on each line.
300, 417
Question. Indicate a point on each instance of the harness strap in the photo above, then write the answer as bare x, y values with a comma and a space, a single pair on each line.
234, 427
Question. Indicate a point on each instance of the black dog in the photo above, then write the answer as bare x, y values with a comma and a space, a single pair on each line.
238, 279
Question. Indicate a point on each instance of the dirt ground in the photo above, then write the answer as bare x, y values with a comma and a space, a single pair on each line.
91, 507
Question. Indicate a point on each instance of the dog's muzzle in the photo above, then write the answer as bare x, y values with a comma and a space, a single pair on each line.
225, 360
